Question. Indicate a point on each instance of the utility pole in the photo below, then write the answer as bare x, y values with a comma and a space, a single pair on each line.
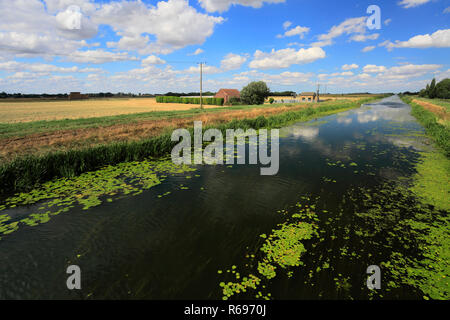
318, 91
201, 85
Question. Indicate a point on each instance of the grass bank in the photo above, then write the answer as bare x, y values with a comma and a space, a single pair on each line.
439, 133
431, 183
26, 172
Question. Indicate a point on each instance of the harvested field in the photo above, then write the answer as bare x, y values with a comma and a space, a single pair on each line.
28, 111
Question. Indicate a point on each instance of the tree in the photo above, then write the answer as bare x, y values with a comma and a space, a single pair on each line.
443, 89
255, 93
427, 91
432, 89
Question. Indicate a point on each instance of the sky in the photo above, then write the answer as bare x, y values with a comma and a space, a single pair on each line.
144, 46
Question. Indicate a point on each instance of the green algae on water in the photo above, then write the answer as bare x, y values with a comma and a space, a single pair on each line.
88, 190
281, 251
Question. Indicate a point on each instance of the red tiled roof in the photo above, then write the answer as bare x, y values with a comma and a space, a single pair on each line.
231, 92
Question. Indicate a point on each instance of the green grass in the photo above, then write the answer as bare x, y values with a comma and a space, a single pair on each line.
25, 173
439, 133
431, 183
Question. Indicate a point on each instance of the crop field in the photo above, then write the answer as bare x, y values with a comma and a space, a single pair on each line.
28, 111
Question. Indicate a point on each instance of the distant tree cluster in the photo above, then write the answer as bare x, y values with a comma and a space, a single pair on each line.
440, 90
283, 94
4, 95
409, 93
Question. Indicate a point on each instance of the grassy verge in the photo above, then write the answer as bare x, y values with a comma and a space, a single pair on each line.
431, 183
27, 172
439, 133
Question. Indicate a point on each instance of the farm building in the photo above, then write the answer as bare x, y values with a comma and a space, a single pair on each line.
307, 96
227, 94
77, 96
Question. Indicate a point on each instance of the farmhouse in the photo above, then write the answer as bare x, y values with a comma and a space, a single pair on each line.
227, 94
307, 96
77, 96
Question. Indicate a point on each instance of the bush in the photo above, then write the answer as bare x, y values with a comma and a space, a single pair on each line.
271, 100
206, 101
443, 89
235, 101
255, 93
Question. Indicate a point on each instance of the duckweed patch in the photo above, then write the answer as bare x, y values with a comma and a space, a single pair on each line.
281, 251
87, 190
432, 181
415, 236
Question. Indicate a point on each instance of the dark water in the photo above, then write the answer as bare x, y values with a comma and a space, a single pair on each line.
145, 247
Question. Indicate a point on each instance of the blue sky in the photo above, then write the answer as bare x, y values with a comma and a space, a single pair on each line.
58, 46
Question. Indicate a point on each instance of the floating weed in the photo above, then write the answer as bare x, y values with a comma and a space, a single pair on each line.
415, 234
282, 249
87, 190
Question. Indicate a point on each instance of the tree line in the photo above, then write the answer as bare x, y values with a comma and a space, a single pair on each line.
434, 90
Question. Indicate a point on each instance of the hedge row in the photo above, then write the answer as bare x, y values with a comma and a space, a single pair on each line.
206, 101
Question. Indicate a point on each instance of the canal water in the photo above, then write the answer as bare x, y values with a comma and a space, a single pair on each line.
183, 245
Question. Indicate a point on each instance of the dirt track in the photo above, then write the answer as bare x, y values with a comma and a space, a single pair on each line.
437, 110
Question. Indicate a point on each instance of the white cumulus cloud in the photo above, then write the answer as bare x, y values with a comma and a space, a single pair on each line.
297, 31
352, 66
438, 39
153, 60
285, 58
224, 5
232, 62
412, 3
349, 26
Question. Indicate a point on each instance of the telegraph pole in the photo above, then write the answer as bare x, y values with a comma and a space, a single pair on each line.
201, 85
318, 92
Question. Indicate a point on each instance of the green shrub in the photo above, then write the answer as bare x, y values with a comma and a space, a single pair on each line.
255, 93
443, 89
183, 100
235, 101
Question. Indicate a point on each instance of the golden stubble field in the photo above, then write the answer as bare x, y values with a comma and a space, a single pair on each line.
27, 111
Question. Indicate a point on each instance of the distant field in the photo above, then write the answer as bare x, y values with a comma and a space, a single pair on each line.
21, 111
28, 111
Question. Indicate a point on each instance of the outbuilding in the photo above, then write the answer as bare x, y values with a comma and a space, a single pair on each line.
77, 96
307, 96
227, 94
